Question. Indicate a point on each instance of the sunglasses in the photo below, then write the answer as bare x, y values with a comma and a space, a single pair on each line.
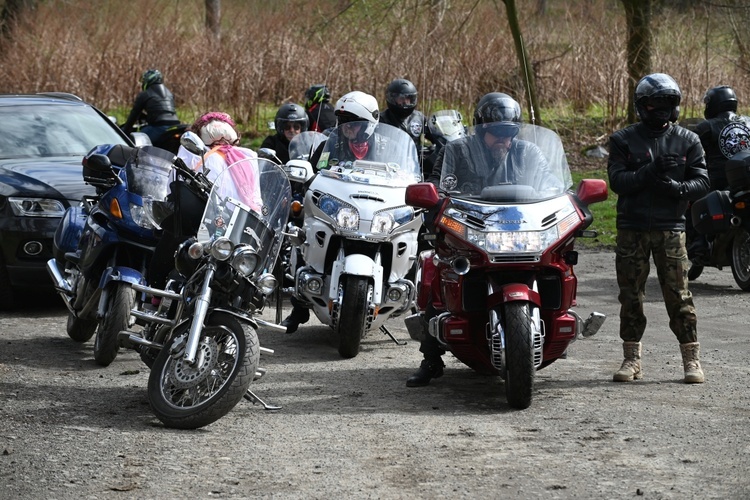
292, 126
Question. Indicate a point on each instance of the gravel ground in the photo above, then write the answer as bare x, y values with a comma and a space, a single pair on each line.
351, 428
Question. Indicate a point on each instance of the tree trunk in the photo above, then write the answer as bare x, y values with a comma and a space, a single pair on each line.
213, 17
638, 18
527, 72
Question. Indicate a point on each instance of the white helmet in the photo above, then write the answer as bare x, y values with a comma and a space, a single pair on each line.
358, 106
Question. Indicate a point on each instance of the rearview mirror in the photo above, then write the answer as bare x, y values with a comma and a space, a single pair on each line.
193, 143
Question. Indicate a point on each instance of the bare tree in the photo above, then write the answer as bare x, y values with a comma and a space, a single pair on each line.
527, 72
213, 17
639, 41
12, 9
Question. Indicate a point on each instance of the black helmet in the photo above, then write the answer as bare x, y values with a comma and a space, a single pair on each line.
316, 94
660, 92
151, 77
401, 97
719, 99
290, 113
500, 112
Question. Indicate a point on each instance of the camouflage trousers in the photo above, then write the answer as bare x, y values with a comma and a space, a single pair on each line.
634, 249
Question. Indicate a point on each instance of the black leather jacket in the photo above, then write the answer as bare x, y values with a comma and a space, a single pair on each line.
642, 204
415, 125
279, 144
718, 146
156, 104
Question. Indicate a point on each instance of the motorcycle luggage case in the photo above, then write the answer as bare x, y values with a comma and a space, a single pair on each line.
712, 213
738, 171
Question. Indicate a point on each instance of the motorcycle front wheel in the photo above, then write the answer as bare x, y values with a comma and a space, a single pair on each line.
354, 295
117, 319
189, 396
741, 259
519, 355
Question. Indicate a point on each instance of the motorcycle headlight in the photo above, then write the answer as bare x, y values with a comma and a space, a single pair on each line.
386, 221
266, 284
348, 218
36, 207
141, 217
221, 249
245, 260
345, 215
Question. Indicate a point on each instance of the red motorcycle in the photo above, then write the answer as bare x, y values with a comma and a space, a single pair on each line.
500, 280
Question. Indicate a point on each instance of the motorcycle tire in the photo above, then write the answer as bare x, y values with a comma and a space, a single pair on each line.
117, 319
185, 396
354, 294
79, 329
741, 259
519, 355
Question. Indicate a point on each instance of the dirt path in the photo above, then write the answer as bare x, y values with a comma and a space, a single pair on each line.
352, 429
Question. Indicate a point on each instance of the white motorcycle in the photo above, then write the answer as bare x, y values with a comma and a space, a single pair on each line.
358, 241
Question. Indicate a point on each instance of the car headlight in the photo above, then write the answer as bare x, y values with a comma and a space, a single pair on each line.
221, 249
36, 207
386, 221
245, 260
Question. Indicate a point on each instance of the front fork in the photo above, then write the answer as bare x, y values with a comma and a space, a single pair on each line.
202, 303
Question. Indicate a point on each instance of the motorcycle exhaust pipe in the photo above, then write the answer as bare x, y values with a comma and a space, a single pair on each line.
461, 265
60, 283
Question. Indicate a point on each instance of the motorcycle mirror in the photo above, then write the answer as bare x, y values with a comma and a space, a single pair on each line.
422, 195
193, 143
592, 191
269, 154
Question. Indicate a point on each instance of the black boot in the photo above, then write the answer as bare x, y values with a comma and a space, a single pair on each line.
428, 370
299, 315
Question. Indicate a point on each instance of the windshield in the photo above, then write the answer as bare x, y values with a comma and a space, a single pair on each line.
387, 158
47, 130
303, 145
234, 211
528, 167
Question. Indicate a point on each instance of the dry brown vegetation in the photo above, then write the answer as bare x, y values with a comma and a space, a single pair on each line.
454, 51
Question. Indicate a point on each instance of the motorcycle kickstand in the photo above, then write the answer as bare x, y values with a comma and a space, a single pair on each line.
251, 396
385, 330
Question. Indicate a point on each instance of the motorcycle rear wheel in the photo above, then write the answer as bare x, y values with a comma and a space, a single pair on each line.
519, 355
185, 396
79, 329
741, 259
106, 345
352, 313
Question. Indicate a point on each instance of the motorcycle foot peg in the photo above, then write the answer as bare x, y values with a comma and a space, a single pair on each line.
592, 324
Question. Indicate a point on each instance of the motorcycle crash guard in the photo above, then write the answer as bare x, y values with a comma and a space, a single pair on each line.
358, 265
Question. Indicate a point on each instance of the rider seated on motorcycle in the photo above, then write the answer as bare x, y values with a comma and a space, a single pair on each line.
155, 104
218, 131
319, 109
508, 159
718, 134
401, 99
291, 120
357, 116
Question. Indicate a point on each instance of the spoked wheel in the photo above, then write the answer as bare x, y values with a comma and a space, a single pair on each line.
117, 319
355, 293
189, 396
741, 259
519, 355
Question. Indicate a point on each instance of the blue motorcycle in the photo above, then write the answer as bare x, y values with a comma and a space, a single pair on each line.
104, 246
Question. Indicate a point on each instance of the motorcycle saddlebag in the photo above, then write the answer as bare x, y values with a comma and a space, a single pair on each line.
738, 171
712, 213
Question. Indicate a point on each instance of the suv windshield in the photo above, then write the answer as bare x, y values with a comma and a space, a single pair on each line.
30, 131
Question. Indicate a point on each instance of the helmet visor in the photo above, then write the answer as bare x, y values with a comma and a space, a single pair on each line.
662, 102
501, 129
